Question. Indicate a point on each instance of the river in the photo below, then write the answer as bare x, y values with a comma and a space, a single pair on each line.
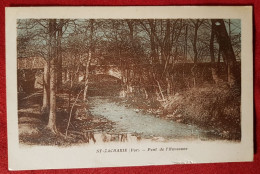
147, 126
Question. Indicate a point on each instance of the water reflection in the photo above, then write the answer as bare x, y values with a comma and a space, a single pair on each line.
105, 137
89, 136
92, 137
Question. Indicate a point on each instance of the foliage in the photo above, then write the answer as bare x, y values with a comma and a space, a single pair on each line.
211, 106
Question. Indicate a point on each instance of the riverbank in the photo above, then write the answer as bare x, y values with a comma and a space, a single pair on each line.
32, 123
215, 108
207, 113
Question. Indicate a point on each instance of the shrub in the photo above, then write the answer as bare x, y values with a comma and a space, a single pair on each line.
212, 106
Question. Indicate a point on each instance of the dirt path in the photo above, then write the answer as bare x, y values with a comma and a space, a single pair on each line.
133, 121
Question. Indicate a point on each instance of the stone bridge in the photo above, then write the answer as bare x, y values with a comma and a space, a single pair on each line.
30, 70
111, 70
34, 64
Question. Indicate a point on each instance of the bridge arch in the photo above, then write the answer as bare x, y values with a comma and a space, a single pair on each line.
110, 70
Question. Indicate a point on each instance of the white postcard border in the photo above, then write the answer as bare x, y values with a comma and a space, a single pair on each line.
44, 157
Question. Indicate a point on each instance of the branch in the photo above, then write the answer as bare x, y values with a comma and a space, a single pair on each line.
71, 113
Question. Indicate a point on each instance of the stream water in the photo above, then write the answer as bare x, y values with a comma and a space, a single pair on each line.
146, 126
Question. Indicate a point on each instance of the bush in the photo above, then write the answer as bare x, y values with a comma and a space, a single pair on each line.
213, 107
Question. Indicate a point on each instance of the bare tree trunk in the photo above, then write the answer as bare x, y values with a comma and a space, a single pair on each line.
65, 74
211, 45
129, 88
89, 59
46, 89
212, 56
53, 55
229, 28
66, 133
131, 31
86, 77
160, 89
52, 115
168, 85
194, 68
227, 50
59, 56
186, 42
195, 43
71, 85
197, 23
128, 84
219, 55
152, 41
167, 47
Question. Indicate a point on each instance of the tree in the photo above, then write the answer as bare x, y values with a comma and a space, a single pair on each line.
53, 80
89, 57
214, 70
33, 43
46, 87
196, 24
226, 49
59, 53
152, 54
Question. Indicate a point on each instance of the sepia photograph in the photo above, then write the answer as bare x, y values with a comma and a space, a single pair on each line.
82, 80
92, 81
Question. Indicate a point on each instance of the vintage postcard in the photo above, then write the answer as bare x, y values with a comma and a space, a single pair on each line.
128, 86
